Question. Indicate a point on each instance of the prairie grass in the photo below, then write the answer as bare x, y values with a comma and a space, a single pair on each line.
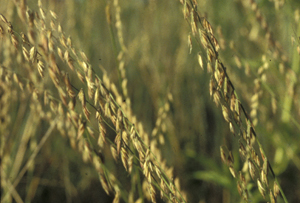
149, 101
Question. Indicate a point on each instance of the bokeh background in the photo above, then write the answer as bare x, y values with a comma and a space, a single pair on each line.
161, 68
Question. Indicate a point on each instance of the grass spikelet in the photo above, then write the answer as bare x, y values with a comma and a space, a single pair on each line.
118, 106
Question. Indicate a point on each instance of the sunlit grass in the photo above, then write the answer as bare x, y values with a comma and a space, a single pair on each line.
106, 101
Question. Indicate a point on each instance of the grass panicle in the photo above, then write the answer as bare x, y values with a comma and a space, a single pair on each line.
105, 101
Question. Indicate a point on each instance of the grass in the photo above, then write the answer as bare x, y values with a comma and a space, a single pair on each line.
149, 101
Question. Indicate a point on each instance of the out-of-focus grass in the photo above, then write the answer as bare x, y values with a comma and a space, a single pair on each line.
157, 62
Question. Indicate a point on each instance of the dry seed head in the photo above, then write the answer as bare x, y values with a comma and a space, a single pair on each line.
276, 190
211, 54
114, 152
257, 160
232, 171
114, 90
112, 107
211, 86
59, 29
166, 108
16, 78
232, 101
203, 38
75, 118
124, 158
190, 43
265, 166
223, 154
91, 88
216, 99
107, 109
14, 40
239, 187
209, 67
29, 85
83, 56
272, 198
62, 95
207, 26
25, 53
245, 195
69, 60
163, 187
252, 138
60, 53
200, 61
35, 94
186, 9
242, 179
132, 133
226, 88
69, 42
117, 197
215, 42
217, 71
81, 129
221, 79
3, 18
104, 183
124, 134
96, 96
262, 155
62, 39
130, 163
253, 153
42, 14
98, 116
1, 32
264, 178
124, 87
80, 76
86, 112
60, 109
118, 142
53, 76
71, 104
195, 3
237, 107
193, 22
252, 169
46, 97
52, 62
81, 97
261, 189
70, 91
152, 192
24, 38
231, 127
225, 112
101, 138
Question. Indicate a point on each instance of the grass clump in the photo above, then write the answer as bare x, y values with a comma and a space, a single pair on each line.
105, 101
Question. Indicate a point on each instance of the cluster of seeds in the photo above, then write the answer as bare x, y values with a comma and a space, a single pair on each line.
67, 93
241, 125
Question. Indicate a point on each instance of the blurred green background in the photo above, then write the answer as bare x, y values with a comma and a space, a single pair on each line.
158, 63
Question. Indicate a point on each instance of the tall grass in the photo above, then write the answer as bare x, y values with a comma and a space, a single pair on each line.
149, 101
